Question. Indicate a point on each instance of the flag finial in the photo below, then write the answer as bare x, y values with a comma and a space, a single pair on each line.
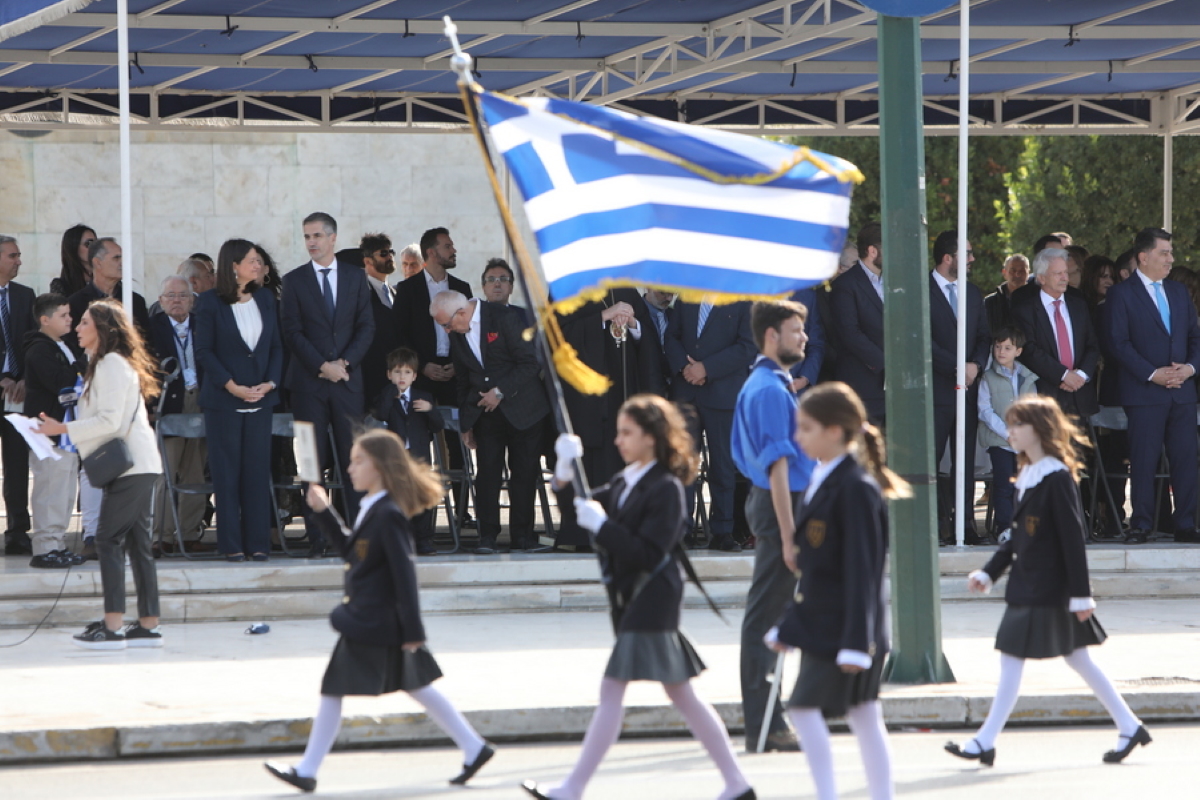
460, 62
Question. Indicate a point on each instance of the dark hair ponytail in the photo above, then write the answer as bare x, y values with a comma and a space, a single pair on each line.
836, 405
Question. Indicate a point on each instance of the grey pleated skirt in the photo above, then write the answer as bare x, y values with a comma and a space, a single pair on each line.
1045, 632
822, 684
661, 656
367, 669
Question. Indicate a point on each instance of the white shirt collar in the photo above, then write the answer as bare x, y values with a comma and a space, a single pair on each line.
476, 321
439, 285
942, 280
1049, 301
333, 266
376, 284
187, 323
1145, 278
871, 276
632, 474
365, 504
819, 473
1032, 474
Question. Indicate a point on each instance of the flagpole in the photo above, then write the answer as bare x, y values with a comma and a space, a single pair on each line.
532, 286
964, 451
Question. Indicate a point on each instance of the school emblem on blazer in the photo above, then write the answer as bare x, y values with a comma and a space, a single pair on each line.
360, 548
814, 531
1031, 524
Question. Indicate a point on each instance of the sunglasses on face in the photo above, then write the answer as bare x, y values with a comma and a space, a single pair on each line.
497, 279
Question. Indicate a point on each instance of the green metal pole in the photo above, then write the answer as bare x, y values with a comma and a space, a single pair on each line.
916, 596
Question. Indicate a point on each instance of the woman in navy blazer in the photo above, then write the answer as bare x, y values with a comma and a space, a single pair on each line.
240, 351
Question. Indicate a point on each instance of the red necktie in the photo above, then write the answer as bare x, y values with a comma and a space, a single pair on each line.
1064, 341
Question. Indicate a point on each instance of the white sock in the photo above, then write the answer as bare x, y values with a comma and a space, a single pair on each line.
814, 739
706, 725
1007, 692
325, 729
448, 718
866, 721
1106, 693
602, 732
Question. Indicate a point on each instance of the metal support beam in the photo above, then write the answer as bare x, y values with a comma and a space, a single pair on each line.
916, 616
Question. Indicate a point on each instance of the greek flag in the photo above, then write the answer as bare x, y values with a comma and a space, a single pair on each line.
615, 199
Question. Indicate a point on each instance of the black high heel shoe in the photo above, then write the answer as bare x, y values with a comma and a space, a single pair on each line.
747, 795
1140, 736
534, 790
985, 757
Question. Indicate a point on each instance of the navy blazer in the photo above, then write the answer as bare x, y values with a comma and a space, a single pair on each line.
842, 541
381, 605
416, 428
413, 324
1041, 352
856, 327
943, 339
162, 342
223, 355
814, 351
20, 324
1140, 343
509, 362
374, 363
313, 339
726, 347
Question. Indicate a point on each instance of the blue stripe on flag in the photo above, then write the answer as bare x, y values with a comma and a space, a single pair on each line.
678, 275
527, 169
690, 219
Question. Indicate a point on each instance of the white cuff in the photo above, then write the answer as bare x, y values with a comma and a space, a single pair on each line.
983, 578
1081, 604
854, 658
1083, 375
771, 639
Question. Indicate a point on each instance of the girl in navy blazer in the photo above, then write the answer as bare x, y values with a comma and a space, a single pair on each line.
838, 615
637, 523
382, 645
240, 353
1050, 607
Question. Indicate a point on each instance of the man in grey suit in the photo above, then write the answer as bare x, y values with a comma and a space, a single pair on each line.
328, 327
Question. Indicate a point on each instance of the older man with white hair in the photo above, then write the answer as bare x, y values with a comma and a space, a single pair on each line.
172, 340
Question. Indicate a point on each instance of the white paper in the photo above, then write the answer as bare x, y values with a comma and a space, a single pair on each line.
39, 443
304, 446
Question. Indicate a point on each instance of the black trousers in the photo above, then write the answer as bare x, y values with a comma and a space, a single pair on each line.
239, 455
943, 437
14, 454
333, 407
494, 435
446, 394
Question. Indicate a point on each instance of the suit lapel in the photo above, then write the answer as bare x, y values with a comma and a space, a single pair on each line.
865, 286
1148, 303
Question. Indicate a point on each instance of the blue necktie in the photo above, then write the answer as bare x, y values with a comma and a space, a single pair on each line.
327, 290
705, 310
1164, 310
9, 366
952, 288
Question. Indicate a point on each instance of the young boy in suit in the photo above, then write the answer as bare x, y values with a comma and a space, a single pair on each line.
51, 373
411, 414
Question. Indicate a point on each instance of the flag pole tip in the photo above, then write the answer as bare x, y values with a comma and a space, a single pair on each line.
460, 62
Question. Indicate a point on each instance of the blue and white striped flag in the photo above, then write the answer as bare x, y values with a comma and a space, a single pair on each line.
616, 199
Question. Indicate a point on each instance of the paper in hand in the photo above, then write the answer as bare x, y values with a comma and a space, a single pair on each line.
304, 446
39, 443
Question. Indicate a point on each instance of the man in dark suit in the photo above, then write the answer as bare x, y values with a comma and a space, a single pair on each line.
379, 262
1152, 333
659, 311
171, 337
502, 405
106, 259
943, 334
327, 327
1061, 346
710, 350
16, 321
855, 323
998, 304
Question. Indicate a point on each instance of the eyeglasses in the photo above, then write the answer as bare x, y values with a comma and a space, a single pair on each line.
497, 279
385, 252
446, 325
176, 295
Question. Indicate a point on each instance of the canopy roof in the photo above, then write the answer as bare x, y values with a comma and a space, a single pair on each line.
805, 66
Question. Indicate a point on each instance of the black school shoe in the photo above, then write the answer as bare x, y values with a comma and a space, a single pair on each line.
469, 770
288, 775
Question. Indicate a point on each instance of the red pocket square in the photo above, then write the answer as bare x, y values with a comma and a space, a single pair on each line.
493, 336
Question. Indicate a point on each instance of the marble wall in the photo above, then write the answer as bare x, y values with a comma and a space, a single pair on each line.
194, 190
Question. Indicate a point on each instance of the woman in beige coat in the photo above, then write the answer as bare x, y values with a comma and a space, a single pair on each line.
112, 403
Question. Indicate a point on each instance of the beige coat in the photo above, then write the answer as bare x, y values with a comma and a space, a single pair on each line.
104, 412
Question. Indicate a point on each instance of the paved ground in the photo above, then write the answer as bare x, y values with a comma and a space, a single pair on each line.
1053, 763
213, 687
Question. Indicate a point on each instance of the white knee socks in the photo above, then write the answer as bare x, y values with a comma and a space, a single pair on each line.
324, 731
602, 732
818, 749
1011, 669
866, 721
1127, 722
706, 726
448, 718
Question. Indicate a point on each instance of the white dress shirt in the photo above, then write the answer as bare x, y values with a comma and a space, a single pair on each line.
1048, 305
876, 280
473, 332
333, 269
435, 288
364, 506
632, 474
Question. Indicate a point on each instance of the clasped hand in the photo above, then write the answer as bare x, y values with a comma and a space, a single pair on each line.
1173, 376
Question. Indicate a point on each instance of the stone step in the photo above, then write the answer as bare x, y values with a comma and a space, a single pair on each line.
298, 589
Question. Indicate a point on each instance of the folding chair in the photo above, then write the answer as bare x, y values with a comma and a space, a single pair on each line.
283, 426
182, 426
454, 477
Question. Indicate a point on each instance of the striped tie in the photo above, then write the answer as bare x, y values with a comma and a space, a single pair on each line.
705, 310
9, 349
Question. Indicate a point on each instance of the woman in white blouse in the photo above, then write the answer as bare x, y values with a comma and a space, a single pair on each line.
241, 356
120, 377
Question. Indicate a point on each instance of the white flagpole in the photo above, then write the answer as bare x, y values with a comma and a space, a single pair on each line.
963, 462
126, 190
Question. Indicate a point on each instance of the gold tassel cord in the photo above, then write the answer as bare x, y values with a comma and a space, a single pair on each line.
566, 360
